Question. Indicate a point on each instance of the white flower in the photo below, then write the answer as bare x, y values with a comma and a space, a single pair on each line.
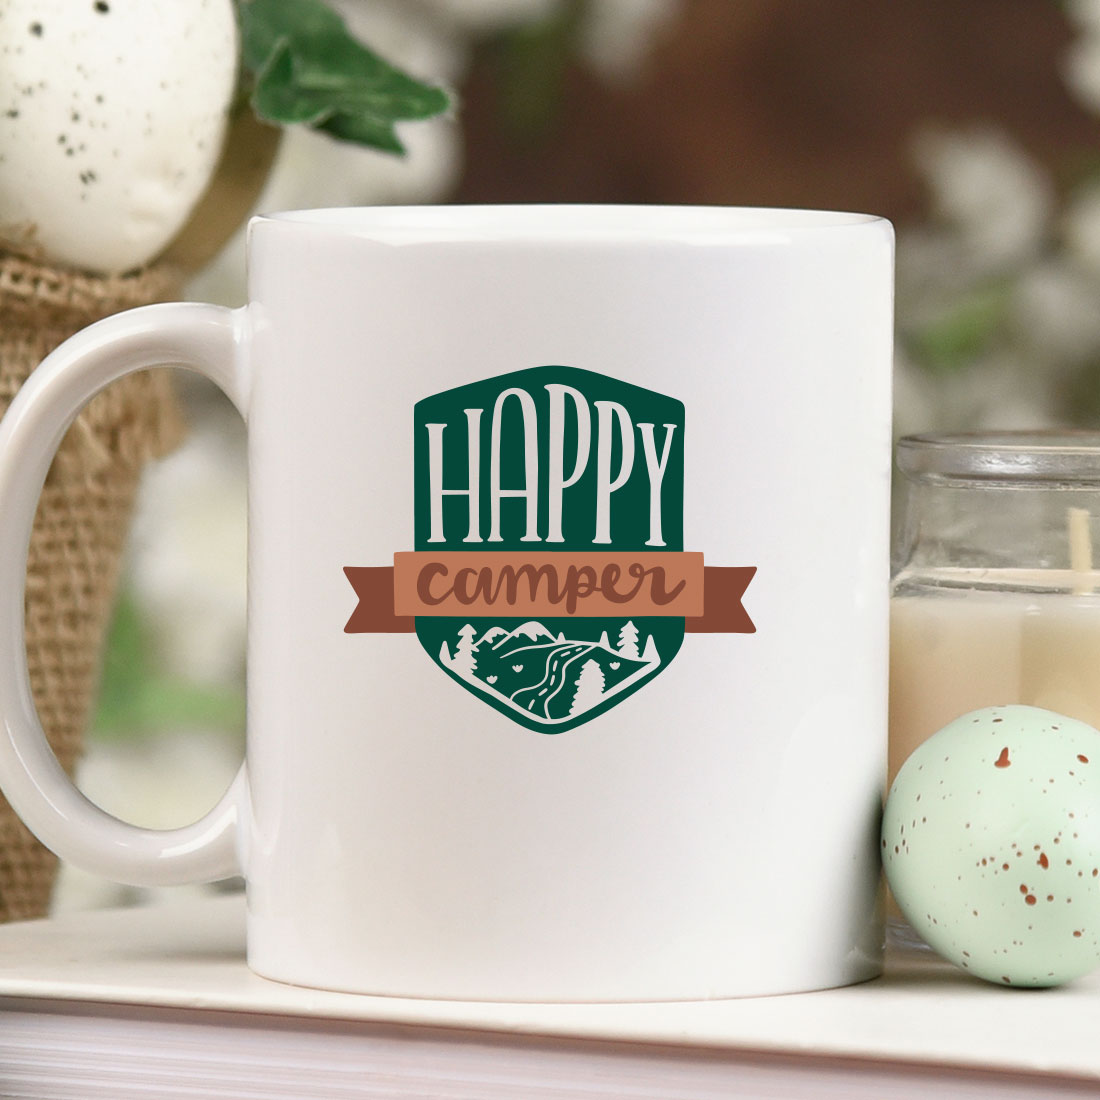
1081, 229
617, 35
1081, 64
1081, 70
994, 394
1003, 392
989, 193
1085, 13
1055, 313
934, 267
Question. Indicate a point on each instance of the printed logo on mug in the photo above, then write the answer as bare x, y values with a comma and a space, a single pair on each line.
567, 618
557, 595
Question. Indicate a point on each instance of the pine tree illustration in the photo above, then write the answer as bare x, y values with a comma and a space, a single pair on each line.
444, 654
589, 687
650, 654
604, 641
464, 661
628, 640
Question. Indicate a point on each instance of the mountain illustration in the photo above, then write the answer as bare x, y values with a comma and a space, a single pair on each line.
492, 634
530, 633
549, 677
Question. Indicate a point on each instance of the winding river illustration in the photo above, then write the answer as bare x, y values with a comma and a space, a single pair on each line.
546, 676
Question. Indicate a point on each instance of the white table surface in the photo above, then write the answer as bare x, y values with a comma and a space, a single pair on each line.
191, 956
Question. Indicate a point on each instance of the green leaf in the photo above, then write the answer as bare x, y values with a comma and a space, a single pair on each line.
308, 70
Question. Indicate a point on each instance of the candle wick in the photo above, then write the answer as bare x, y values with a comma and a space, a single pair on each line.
1080, 549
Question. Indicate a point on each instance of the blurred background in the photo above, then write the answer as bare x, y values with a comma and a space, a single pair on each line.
972, 126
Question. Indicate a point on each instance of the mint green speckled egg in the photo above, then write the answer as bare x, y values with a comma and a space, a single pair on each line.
991, 845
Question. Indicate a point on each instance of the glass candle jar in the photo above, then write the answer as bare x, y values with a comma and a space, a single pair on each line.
995, 598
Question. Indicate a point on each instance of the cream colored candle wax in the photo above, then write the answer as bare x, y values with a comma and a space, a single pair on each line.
949, 654
956, 650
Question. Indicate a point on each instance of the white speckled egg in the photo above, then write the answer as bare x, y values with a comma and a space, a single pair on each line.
112, 114
991, 845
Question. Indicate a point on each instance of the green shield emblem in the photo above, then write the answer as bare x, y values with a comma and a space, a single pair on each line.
548, 502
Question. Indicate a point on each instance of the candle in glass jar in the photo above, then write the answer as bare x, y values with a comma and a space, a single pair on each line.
994, 599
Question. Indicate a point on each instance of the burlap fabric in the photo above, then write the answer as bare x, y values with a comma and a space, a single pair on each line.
81, 525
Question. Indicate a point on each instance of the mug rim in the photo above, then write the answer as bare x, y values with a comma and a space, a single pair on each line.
557, 222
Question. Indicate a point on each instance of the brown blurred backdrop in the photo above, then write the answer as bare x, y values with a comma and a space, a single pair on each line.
761, 103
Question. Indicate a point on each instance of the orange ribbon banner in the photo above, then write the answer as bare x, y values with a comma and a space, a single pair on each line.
609, 585
528, 586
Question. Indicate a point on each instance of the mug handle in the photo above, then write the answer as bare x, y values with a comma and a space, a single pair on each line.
208, 339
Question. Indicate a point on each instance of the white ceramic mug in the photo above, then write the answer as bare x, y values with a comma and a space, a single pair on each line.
512, 732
